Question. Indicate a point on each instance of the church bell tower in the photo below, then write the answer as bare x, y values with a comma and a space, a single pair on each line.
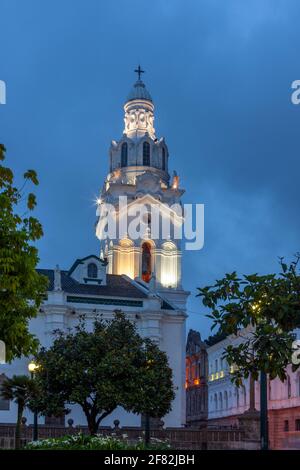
139, 173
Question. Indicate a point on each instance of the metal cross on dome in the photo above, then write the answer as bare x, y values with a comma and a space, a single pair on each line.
139, 71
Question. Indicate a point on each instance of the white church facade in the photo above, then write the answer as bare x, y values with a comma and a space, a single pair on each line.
142, 276
228, 404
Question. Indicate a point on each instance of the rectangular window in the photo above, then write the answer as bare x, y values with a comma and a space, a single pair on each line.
4, 404
297, 425
286, 425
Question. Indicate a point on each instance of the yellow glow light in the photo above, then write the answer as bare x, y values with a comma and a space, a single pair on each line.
32, 367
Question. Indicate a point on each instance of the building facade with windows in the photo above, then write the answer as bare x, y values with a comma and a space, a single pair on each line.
227, 403
140, 275
196, 380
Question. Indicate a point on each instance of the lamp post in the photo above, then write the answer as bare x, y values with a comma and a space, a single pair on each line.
264, 411
32, 368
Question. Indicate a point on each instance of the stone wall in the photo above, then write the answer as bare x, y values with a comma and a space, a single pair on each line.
179, 438
283, 432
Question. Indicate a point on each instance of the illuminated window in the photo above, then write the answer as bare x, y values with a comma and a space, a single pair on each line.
163, 163
146, 154
146, 262
124, 153
92, 270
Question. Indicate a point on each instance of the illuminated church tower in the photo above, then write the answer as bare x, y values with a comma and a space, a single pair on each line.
141, 275
139, 164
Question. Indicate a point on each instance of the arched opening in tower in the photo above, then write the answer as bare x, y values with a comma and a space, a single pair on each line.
146, 262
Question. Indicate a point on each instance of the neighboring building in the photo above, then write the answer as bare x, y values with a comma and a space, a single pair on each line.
142, 277
227, 403
225, 400
231, 406
196, 380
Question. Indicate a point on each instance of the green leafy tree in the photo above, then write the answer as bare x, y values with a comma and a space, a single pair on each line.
268, 307
22, 288
101, 369
20, 389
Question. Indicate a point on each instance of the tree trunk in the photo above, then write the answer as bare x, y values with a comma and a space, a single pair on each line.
18, 427
92, 420
93, 425
93, 428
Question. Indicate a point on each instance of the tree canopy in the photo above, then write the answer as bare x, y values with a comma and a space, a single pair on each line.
110, 366
268, 306
22, 288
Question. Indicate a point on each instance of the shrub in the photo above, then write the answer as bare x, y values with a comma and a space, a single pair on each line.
98, 442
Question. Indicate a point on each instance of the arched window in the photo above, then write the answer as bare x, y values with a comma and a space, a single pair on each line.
216, 401
124, 153
146, 262
220, 401
289, 387
146, 154
92, 270
226, 400
244, 395
237, 397
163, 163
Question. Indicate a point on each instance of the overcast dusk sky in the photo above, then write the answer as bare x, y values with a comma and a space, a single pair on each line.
220, 75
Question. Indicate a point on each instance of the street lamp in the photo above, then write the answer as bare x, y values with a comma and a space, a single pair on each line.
32, 367
264, 411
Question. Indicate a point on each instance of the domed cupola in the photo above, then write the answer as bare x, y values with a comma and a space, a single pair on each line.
139, 92
139, 110
139, 149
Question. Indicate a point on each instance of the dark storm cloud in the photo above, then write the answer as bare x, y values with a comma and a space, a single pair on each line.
220, 74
